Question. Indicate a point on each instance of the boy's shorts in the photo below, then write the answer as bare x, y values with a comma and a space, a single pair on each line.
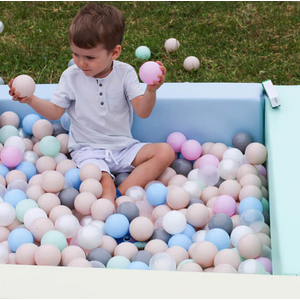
110, 161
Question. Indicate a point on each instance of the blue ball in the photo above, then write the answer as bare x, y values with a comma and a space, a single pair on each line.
250, 203
65, 121
138, 265
218, 237
73, 176
27, 168
180, 240
156, 194
28, 122
18, 237
142, 52
3, 170
117, 226
189, 231
14, 196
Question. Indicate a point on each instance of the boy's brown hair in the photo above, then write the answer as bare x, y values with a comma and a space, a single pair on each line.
97, 24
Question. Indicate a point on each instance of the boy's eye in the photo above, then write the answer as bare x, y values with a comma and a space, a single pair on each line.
88, 57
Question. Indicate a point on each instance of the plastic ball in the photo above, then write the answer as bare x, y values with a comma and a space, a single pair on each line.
241, 140
267, 263
160, 234
15, 141
218, 237
65, 121
228, 168
136, 193
18, 237
208, 159
52, 181
118, 262
68, 225
234, 154
174, 222
156, 194
251, 266
256, 153
191, 63
149, 72
252, 218
14, 196
180, 240
55, 238
191, 149
172, 45
3, 170
89, 237
225, 204
23, 206
129, 210
141, 228
142, 52
117, 226
47, 255
6, 132
30, 157
74, 176
208, 175
138, 265
162, 261
28, 122
90, 171
222, 221
24, 85
3, 255
11, 156
175, 140
7, 214
239, 232
120, 178
142, 256
182, 166
58, 129
27, 168
9, 118
250, 203
50, 146
99, 254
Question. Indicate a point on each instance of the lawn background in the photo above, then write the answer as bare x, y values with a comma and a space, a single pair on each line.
234, 41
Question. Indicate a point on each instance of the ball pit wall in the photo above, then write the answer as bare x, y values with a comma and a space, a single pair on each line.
206, 112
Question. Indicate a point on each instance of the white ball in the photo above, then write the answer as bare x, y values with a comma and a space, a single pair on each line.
25, 85
3, 255
32, 214
7, 214
68, 225
191, 63
89, 237
172, 45
174, 222
1, 27
15, 141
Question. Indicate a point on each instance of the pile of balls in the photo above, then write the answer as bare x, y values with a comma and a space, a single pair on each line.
207, 212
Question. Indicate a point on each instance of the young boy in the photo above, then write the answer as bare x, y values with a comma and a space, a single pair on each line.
100, 94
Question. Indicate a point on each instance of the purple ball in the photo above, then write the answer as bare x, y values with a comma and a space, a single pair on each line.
267, 263
149, 71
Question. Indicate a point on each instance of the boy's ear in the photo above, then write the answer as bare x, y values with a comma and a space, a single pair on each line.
116, 52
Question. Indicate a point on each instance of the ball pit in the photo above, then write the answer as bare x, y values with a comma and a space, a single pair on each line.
204, 195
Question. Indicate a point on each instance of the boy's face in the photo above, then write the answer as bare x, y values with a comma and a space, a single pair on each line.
95, 62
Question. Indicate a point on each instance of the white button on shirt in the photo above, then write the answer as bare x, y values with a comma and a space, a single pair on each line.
100, 110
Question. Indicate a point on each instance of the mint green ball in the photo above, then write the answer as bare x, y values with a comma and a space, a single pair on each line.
55, 238
22, 208
50, 146
265, 204
118, 262
142, 52
6, 132
184, 262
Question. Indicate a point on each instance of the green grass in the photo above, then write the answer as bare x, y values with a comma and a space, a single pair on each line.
234, 41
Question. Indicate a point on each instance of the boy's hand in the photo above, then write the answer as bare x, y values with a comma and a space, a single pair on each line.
157, 84
16, 96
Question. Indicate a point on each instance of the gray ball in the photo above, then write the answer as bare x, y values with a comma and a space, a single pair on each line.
219, 182
99, 254
182, 166
67, 197
143, 256
241, 140
129, 210
266, 217
97, 264
194, 200
58, 129
160, 234
120, 178
222, 221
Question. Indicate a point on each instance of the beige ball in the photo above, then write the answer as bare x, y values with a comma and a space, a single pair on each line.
178, 198
256, 153
177, 180
141, 228
251, 179
197, 215
47, 255
42, 128
83, 202
265, 239
14, 175
36, 148
246, 169
123, 199
218, 150
4, 233
9, 118
126, 249
58, 211
65, 165
159, 211
71, 252
230, 187
224, 268
45, 163
109, 244
25, 254
53, 182
48, 201
250, 191
101, 209
204, 254
90, 171
227, 256
155, 246
166, 175
28, 144
191, 63
209, 192
12, 259
172, 45
205, 147
178, 253
39, 227
35, 180
91, 185
250, 246
64, 140
190, 267
34, 192
80, 263
2, 180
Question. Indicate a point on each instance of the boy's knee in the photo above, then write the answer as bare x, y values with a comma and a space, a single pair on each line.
167, 153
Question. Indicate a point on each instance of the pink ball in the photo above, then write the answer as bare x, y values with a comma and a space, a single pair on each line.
11, 156
225, 204
191, 149
175, 140
149, 71
208, 159
267, 263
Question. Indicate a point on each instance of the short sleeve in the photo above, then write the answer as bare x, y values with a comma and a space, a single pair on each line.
64, 95
133, 87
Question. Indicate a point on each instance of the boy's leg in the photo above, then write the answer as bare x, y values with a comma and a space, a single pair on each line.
109, 189
149, 163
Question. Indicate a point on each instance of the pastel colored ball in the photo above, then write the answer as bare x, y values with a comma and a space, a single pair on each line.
208, 159
3, 170
15, 141
27, 168
13, 197
218, 237
23, 206
191, 149
11, 156
149, 72
7, 214
28, 122
156, 194
6, 132
89, 237
191, 63
256, 153
174, 222
25, 85
175, 140
252, 218
18, 237
250, 203
118, 262
1, 27
172, 45
180, 240
162, 261
49, 146
117, 226
65, 121
142, 52
55, 238
74, 176
225, 204
138, 265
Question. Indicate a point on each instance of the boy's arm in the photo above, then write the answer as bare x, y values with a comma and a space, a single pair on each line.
45, 108
143, 105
